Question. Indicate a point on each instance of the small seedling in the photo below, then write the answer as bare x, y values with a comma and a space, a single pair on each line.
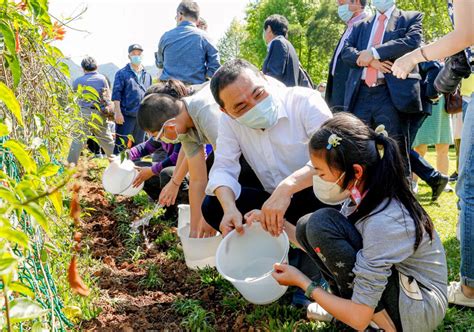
196, 317
153, 278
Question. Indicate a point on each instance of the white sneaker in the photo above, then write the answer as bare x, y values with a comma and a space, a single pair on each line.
448, 189
317, 313
414, 187
456, 296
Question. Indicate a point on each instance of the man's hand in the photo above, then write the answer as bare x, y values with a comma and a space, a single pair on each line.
364, 59
232, 219
384, 67
168, 194
273, 211
118, 118
144, 173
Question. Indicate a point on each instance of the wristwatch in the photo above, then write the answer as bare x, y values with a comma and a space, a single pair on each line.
311, 287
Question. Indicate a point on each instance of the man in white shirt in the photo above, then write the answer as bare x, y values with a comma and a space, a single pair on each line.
270, 126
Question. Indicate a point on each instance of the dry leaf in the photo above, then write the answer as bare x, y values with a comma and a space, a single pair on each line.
75, 280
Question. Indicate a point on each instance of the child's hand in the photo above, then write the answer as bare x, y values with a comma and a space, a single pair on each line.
252, 216
288, 275
168, 194
144, 173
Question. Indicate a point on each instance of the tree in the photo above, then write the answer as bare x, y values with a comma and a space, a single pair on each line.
230, 44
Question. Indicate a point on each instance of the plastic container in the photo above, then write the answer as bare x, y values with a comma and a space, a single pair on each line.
118, 178
247, 262
198, 252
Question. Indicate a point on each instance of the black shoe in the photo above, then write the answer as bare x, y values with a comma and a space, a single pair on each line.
438, 185
453, 177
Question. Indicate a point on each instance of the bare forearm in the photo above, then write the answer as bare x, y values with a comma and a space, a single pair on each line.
196, 197
117, 109
181, 168
298, 181
226, 197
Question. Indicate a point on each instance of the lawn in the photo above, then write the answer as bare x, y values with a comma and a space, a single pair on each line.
142, 282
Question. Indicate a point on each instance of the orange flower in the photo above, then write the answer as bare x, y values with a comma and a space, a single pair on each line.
58, 31
22, 5
17, 42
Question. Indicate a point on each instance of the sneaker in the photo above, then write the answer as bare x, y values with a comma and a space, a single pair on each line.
448, 189
456, 296
317, 313
438, 185
414, 187
453, 177
300, 300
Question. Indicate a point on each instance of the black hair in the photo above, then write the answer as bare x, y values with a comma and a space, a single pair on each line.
89, 64
227, 74
384, 177
278, 24
161, 104
189, 9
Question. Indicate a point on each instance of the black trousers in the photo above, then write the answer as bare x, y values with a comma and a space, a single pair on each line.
332, 242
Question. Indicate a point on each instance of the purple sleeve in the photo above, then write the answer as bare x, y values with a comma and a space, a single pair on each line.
169, 161
143, 149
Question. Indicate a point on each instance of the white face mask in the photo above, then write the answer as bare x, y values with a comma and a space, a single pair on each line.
329, 193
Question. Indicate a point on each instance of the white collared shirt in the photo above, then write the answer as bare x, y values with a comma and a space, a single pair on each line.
274, 153
388, 14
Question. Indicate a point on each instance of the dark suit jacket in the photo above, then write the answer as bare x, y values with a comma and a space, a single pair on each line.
402, 35
282, 62
336, 85
428, 71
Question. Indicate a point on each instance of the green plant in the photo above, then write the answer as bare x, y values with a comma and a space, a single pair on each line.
166, 238
196, 317
153, 278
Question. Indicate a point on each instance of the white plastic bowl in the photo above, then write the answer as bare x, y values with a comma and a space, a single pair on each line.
198, 252
247, 262
118, 178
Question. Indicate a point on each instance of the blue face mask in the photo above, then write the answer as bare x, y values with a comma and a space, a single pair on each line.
136, 59
262, 116
383, 5
344, 13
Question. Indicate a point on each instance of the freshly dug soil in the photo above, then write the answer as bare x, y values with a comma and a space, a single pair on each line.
127, 305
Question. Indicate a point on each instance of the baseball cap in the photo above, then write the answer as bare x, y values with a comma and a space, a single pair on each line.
134, 47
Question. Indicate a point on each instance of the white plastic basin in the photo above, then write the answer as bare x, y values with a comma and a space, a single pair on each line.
247, 262
118, 178
198, 253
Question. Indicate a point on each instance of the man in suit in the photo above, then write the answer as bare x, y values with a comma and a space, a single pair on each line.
351, 12
372, 93
282, 61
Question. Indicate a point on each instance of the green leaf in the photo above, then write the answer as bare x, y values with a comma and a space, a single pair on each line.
44, 153
9, 36
14, 236
97, 118
7, 265
72, 312
22, 289
8, 195
25, 309
63, 68
48, 170
8, 97
4, 131
38, 327
36, 212
57, 201
19, 151
15, 68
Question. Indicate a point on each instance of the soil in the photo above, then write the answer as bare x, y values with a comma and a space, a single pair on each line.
127, 305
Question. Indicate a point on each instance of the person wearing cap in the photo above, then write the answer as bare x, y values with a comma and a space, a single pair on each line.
130, 85
92, 80
186, 52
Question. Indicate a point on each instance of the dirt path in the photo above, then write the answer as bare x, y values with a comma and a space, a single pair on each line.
138, 285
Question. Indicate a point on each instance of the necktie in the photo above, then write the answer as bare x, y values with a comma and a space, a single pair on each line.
371, 75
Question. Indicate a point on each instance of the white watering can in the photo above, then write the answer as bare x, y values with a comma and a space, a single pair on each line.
118, 178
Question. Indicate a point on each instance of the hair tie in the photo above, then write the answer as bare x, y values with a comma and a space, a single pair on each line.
381, 133
333, 141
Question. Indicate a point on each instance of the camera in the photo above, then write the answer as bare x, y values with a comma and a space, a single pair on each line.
455, 69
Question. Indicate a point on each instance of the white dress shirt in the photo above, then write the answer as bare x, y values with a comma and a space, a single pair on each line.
388, 14
274, 153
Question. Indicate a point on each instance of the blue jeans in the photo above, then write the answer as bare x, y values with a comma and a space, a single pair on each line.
465, 191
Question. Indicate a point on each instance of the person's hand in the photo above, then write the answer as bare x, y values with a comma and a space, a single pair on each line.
118, 118
404, 65
384, 67
232, 219
144, 173
288, 275
206, 230
168, 194
364, 59
273, 211
251, 216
